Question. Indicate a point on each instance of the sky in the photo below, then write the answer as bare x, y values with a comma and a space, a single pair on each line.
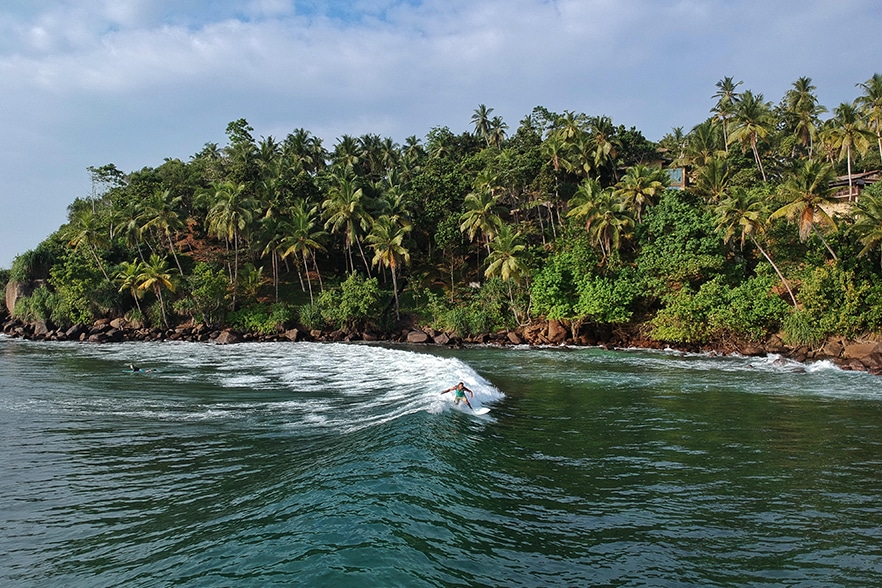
133, 82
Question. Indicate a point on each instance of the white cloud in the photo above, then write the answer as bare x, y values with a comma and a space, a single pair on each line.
86, 82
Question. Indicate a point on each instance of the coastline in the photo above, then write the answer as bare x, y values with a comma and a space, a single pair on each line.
849, 355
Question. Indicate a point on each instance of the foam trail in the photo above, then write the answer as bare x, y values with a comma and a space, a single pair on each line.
335, 386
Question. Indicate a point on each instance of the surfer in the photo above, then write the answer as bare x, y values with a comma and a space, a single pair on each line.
459, 394
135, 368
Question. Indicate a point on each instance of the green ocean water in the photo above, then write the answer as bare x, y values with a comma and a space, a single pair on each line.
342, 465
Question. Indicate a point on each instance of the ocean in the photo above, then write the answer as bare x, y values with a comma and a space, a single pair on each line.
313, 464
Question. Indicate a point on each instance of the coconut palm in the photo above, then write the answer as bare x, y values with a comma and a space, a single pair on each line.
481, 214
347, 153
606, 145
345, 212
870, 104
155, 274
496, 134
504, 260
704, 142
160, 214
712, 179
607, 218
229, 217
86, 228
806, 190
505, 250
743, 213
127, 277
640, 186
482, 121
387, 239
846, 134
303, 238
868, 223
801, 109
724, 109
751, 122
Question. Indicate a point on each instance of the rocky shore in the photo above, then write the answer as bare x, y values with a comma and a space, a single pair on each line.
863, 355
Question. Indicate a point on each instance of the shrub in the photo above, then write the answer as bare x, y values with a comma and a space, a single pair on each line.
310, 316
208, 292
353, 304
262, 319
800, 329
606, 300
38, 306
716, 312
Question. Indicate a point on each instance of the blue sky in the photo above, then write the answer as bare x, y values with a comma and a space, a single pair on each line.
132, 82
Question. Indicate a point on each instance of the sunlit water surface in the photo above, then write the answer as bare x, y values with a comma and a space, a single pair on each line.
343, 465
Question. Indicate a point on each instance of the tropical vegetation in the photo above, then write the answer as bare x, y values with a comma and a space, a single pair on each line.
565, 216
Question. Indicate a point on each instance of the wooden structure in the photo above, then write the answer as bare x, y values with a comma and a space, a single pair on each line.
859, 181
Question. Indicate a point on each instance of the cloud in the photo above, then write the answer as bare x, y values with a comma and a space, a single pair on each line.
87, 82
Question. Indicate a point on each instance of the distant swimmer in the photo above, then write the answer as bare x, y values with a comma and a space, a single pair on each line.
459, 394
134, 368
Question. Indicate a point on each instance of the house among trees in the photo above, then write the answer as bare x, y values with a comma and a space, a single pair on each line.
859, 181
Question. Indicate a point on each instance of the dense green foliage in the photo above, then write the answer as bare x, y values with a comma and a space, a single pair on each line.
567, 217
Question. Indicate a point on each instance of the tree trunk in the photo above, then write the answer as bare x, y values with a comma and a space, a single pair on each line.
824, 241
308, 281
395, 291
777, 271
162, 306
756, 156
171, 247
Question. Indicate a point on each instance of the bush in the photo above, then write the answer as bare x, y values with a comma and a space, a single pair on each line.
716, 312
800, 329
555, 289
262, 319
310, 317
38, 306
208, 295
838, 303
353, 304
83, 292
606, 300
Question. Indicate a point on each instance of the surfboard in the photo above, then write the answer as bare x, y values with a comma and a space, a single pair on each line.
480, 411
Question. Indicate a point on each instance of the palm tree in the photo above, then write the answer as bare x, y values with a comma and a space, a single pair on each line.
607, 218
86, 229
606, 145
802, 108
704, 142
482, 121
127, 276
160, 214
345, 212
304, 239
724, 109
271, 233
155, 274
845, 133
504, 259
753, 121
387, 239
640, 186
347, 153
496, 134
870, 104
229, 217
481, 214
713, 178
868, 223
806, 189
743, 213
